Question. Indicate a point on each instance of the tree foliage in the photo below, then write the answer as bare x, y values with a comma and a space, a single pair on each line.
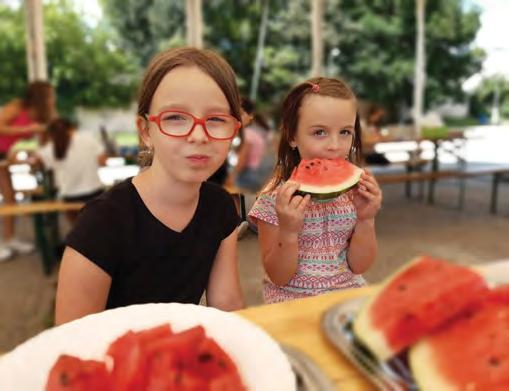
376, 39
84, 65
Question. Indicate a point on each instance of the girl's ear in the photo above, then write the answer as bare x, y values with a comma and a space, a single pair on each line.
293, 144
142, 125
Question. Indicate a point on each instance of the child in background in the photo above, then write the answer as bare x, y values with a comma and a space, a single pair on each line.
165, 235
310, 246
75, 158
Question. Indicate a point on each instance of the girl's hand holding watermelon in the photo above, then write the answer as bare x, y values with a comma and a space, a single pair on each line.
367, 197
290, 208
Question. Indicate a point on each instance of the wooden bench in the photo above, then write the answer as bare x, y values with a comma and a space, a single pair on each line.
45, 219
499, 174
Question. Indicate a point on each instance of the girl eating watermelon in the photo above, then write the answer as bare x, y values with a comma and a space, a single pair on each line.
311, 245
165, 235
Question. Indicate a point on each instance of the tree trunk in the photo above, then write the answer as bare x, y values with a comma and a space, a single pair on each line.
35, 49
420, 66
194, 23
316, 37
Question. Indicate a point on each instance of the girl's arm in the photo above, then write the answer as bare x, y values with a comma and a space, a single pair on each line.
223, 290
8, 113
279, 244
363, 247
82, 287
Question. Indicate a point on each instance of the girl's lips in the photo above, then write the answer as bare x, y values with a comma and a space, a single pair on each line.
198, 160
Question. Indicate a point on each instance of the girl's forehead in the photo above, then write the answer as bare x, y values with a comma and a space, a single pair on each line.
318, 106
188, 87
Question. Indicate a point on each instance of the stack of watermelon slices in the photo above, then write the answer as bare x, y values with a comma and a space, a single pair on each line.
454, 327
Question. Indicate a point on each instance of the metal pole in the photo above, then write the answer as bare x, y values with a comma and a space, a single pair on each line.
259, 51
35, 49
420, 66
194, 23
316, 37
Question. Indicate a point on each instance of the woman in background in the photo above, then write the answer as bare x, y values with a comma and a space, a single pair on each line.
21, 119
75, 158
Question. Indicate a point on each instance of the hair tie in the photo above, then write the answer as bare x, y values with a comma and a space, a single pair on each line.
314, 87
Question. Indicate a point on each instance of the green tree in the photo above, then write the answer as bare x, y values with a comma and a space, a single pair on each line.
377, 43
486, 95
84, 65
376, 39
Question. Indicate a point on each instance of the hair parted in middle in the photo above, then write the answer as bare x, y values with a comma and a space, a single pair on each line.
288, 157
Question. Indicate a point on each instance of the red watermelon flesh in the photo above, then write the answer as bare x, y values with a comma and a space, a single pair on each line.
325, 178
470, 353
417, 300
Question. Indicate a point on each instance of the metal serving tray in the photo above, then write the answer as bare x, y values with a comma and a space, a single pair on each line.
337, 324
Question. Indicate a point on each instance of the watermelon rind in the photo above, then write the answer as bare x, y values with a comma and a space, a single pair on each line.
327, 192
427, 377
363, 327
320, 195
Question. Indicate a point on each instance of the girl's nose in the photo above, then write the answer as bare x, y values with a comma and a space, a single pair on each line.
334, 143
198, 135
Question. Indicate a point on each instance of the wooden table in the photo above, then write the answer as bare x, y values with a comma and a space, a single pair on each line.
297, 324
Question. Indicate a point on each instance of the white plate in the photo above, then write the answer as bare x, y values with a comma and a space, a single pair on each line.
260, 360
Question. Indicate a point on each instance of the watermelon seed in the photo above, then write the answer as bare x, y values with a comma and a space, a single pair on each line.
308, 167
402, 287
326, 169
408, 316
312, 163
494, 362
204, 357
64, 379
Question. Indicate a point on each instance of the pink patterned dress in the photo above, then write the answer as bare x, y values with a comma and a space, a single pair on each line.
323, 244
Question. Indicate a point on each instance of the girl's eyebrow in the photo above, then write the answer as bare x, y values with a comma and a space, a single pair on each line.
351, 127
181, 107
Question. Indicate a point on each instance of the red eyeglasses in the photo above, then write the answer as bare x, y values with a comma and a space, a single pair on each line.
181, 124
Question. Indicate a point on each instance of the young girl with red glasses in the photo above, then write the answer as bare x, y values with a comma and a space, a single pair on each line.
165, 235
311, 246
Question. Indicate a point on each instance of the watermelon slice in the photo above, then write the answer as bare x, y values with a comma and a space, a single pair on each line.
416, 300
471, 353
325, 178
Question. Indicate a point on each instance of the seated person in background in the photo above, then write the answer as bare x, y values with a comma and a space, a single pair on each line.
372, 134
75, 158
254, 164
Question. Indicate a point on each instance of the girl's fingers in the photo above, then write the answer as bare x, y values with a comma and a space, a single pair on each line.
286, 191
303, 203
295, 201
366, 194
372, 187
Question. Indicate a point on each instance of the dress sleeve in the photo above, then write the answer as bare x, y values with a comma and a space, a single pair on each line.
264, 209
97, 235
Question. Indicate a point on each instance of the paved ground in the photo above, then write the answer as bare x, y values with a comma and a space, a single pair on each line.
406, 228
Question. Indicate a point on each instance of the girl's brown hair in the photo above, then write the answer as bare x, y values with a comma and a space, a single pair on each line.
209, 62
289, 158
37, 98
59, 131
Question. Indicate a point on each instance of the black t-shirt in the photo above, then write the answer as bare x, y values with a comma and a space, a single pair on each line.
147, 261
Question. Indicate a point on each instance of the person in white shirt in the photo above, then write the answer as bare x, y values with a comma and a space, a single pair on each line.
75, 158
